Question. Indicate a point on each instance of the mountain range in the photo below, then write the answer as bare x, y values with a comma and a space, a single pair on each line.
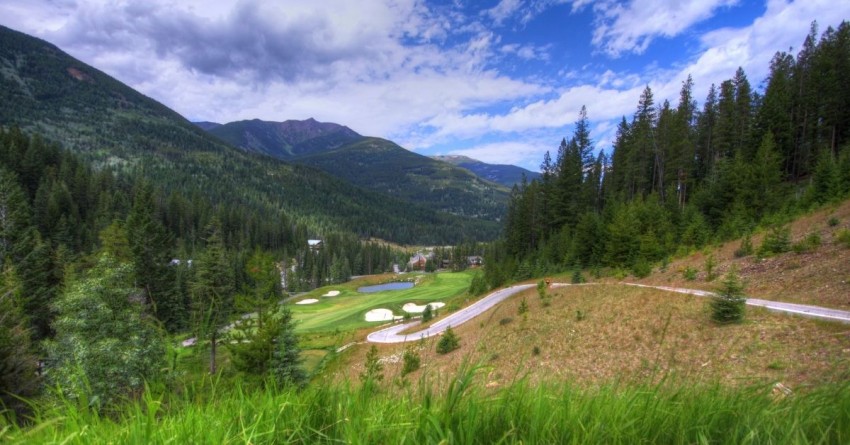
506, 175
45, 91
373, 163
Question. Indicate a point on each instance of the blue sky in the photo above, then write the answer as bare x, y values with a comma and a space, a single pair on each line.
501, 80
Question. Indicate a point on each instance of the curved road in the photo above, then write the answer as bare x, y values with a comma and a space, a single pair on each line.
391, 334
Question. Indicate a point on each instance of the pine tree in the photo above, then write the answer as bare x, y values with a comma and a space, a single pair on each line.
448, 342
286, 359
151, 246
729, 304
18, 364
212, 289
106, 348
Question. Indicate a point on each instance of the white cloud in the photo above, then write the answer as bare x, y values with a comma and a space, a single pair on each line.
632, 27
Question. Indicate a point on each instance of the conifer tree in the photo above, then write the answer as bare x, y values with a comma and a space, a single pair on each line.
212, 289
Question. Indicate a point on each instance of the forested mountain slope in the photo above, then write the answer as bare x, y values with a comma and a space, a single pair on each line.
382, 165
373, 163
285, 140
507, 175
47, 92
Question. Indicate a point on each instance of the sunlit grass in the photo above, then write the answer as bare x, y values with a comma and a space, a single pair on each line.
460, 412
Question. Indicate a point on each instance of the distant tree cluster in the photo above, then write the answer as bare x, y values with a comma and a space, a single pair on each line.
679, 177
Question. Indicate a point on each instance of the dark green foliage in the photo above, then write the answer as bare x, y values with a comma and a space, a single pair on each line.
833, 221
18, 363
286, 356
776, 241
523, 307
106, 344
577, 277
410, 361
427, 314
642, 268
690, 273
808, 244
478, 285
746, 248
729, 305
710, 264
448, 342
212, 290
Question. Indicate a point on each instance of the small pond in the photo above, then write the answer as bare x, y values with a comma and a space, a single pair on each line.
387, 286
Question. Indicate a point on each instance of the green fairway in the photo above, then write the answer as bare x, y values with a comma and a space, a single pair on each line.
346, 311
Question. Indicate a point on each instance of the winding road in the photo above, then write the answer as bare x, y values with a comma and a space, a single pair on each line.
391, 334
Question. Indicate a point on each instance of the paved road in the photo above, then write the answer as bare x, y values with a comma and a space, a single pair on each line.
391, 334
776, 306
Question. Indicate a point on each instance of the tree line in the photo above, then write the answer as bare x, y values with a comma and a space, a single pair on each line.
679, 177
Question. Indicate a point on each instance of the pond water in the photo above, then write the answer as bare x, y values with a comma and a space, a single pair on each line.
387, 286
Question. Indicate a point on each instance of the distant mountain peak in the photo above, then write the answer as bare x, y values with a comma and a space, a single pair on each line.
503, 174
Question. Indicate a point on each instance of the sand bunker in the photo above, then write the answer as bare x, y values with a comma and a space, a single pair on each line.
381, 315
413, 308
332, 293
307, 301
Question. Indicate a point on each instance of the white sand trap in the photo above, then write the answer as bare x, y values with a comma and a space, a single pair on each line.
413, 308
381, 315
332, 293
307, 301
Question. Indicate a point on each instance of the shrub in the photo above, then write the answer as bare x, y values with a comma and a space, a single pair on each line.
642, 268
580, 315
410, 361
448, 342
427, 314
729, 304
746, 248
843, 237
778, 240
478, 285
811, 242
832, 222
541, 289
535, 350
710, 264
689, 273
373, 369
577, 277
505, 321
523, 307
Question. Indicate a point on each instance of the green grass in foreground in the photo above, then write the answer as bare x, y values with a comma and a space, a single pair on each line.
460, 413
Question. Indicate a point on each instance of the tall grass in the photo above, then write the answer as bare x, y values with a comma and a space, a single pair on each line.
461, 412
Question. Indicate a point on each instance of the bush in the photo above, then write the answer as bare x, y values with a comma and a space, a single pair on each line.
690, 273
505, 321
746, 248
577, 277
478, 285
411, 361
642, 268
843, 237
811, 242
778, 240
427, 314
373, 369
448, 342
729, 304
710, 264
832, 222
523, 307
